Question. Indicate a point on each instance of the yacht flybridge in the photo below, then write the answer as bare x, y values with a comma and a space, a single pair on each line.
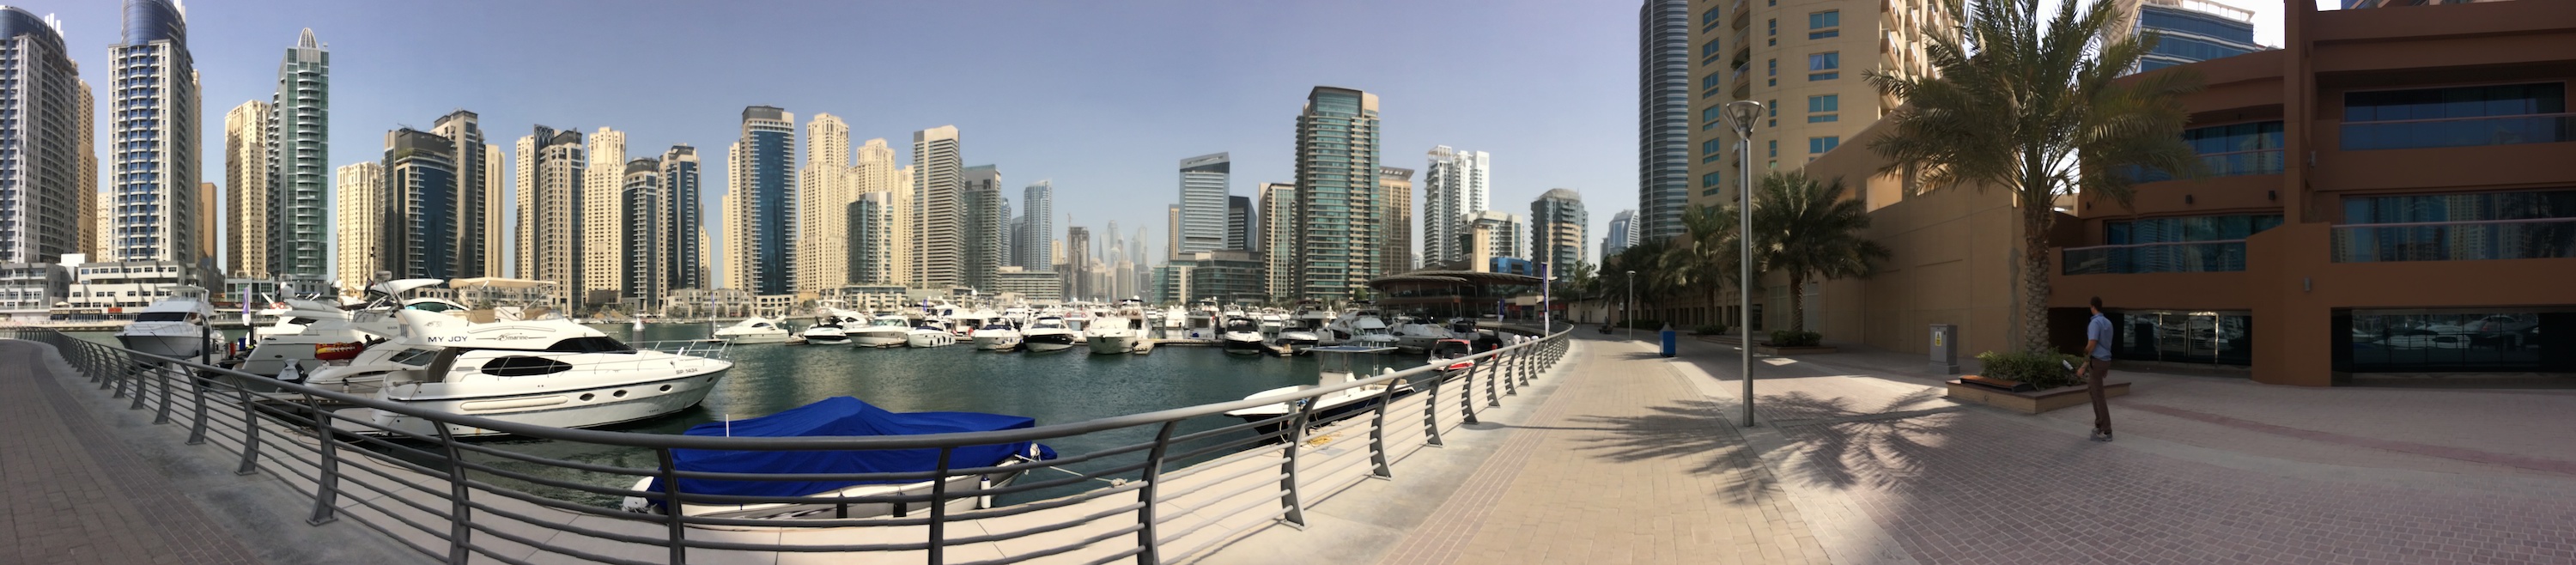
549, 372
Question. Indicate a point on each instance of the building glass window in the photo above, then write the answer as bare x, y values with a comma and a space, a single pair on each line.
1824, 66
1711, 147
1711, 80
1773, 65
1772, 27
2205, 338
1711, 113
1819, 145
1710, 49
1712, 179
1824, 24
2252, 148
2444, 340
1775, 148
2505, 114
2457, 227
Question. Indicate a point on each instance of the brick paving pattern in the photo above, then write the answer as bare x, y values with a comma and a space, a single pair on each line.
70, 492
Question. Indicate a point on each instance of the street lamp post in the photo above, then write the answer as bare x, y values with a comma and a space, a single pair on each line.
1628, 314
1547, 280
1740, 114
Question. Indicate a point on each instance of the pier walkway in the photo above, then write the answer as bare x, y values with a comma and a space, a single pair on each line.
83, 480
1857, 458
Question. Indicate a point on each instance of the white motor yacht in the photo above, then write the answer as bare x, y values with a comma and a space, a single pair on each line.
886, 330
752, 330
173, 327
1242, 336
1296, 341
831, 327
1369, 331
1337, 368
1313, 317
933, 332
1414, 336
542, 372
1118, 331
1201, 321
308, 335
996, 336
1272, 321
1049, 333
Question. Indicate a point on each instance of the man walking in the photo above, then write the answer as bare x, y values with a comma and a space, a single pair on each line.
2097, 366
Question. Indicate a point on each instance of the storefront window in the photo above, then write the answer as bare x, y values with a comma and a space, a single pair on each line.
2405, 341
2206, 338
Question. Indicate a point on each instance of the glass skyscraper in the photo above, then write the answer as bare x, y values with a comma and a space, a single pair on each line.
1663, 115
679, 179
2194, 30
763, 174
1203, 190
156, 211
419, 238
300, 167
1339, 229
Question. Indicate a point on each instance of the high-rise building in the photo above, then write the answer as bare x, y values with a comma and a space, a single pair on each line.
496, 213
1010, 233
1457, 185
1338, 227
1172, 229
685, 242
761, 196
1803, 61
981, 211
876, 171
1036, 250
299, 167
45, 157
1488, 235
477, 164
246, 191
2193, 30
1238, 223
1664, 107
1557, 220
603, 211
1077, 260
419, 237
938, 254
207, 235
1204, 181
92, 214
871, 234
1278, 206
158, 215
1395, 187
551, 171
644, 233
823, 194
1623, 233
359, 224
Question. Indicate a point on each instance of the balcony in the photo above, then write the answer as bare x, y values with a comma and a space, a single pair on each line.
2178, 257
2539, 238
2229, 164
2459, 132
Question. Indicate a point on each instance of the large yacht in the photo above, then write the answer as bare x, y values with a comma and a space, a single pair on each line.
549, 372
1049, 333
843, 416
1119, 331
886, 330
1414, 336
933, 332
831, 327
1242, 336
752, 330
996, 336
173, 327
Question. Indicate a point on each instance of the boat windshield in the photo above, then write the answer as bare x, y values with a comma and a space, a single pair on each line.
1449, 350
597, 344
161, 317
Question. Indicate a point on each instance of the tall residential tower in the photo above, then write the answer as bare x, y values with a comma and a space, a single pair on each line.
937, 215
760, 194
299, 166
1664, 107
1457, 185
1204, 182
157, 213
46, 157
1338, 223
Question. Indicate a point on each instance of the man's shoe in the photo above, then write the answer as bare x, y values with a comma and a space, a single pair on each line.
2101, 436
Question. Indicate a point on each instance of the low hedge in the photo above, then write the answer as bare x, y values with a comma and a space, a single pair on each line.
1711, 329
2043, 370
1786, 338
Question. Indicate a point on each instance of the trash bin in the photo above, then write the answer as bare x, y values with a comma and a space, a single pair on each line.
1672, 341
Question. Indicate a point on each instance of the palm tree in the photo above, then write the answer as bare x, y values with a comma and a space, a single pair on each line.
1641, 257
1706, 257
2014, 104
1808, 229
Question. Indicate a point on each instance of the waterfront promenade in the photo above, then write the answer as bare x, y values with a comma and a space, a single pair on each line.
1634, 458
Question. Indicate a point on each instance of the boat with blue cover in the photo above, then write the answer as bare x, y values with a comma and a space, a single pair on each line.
843, 416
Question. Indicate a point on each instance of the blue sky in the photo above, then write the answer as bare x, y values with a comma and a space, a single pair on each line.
1104, 99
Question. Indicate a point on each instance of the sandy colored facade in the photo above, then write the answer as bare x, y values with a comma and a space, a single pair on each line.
361, 214
246, 191
824, 194
603, 266
1802, 59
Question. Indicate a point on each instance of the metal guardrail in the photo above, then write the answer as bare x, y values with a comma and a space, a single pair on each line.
1187, 489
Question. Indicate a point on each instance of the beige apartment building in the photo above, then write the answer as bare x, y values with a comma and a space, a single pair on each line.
360, 213
246, 191
603, 220
823, 194
1278, 202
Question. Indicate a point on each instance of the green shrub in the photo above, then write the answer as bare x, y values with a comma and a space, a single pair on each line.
2043, 370
1711, 329
1786, 338
1646, 324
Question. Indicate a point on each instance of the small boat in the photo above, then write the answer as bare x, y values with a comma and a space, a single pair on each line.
1296, 341
831, 327
885, 330
752, 330
997, 336
1048, 333
1414, 336
1445, 354
843, 416
1242, 336
1337, 369
173, 327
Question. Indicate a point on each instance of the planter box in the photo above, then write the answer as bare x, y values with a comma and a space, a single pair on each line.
2032, 402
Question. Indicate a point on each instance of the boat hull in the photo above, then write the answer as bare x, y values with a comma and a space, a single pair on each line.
1245, 346
611, 404
819, 511
175, 346
1048, 342
930, 338
879, 339
1113, 343
740, 339
997, 343
1325, 415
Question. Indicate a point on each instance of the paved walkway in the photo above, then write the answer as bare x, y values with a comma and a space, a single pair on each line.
1631, 458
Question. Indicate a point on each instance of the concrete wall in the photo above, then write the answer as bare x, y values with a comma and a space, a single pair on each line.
1954, 254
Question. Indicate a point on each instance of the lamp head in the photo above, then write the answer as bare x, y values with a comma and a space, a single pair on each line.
1741, 114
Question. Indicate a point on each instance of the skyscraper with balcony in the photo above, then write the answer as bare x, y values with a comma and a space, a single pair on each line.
982, 215
1457, 185
645, 236
1663, 109
1204, 181
1622, 233
938, 256
1557, 220
872, 238
477, 193
157, 213
247, 170
1339, 219
419, 237
603, 209
1489, 235
1803, 61
760, 187
823, 195
1077, 263
876, 171
2192, 30
551, 169
1395, 187
46, 161
359, 224
299, 154
683, 240
1036, 248
1278, 206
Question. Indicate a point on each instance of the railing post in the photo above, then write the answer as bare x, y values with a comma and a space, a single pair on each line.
1431, 411
939, 509
326, 488
1296, 515
1493, 365
1148, 551
672, 510
250, 434
460, 540
1377, 432
197, 431
1512, 370
1467, 395
163, 417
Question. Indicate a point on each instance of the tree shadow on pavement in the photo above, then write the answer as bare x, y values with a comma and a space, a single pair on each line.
1686, 429
1834, 444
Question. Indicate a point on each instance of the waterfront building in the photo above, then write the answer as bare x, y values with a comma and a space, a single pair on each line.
1664, 40
208, 234
550, 173
709, 302
117, 290
1033, 286
938, 254
1230, 276
478, 194
873, 245
1077, 263
1489, 234
1557, 220
875, 171
358, 224
2192, 30
684, 246
299, 154
1172, 229
1278, 202
760, 203
1804, 62
46, 158
28, 291
1010, 232
644, 235
419, 237
603, 211
1395, 187
1622, 233
1457, 185
1338, 223
1238, 223
1036, 248
246, 191
1204, 186
157, 215
823, 194
869, 297
983, 211
496, 213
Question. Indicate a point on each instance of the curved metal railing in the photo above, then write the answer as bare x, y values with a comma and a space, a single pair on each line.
1175, 483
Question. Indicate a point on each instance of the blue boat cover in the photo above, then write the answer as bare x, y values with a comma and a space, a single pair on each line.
842, 416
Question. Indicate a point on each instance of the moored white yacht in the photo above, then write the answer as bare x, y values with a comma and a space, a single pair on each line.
752, 330
543, 372
933, 332
996, 336
173, 327
1242, 336
1337, 368
1117, 332
1048, 333
886, 330
843, 416
1367, 330
831, 327
1415, 335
